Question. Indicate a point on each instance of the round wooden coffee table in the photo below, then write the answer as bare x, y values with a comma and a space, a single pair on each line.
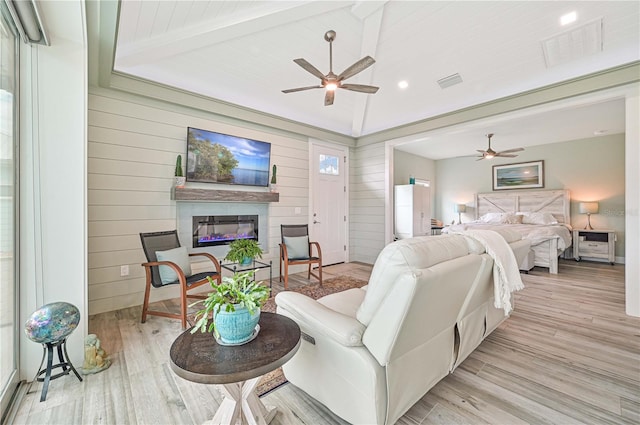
199, 358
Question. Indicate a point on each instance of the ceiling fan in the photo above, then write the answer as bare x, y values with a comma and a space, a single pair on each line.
490, 153
331, 81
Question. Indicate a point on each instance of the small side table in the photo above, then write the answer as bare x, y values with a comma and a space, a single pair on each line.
594, 243
199, 358
255, 264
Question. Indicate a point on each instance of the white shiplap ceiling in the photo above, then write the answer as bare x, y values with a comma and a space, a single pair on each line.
242, 52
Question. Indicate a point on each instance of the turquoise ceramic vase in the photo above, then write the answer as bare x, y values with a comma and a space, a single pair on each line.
236, 327
246, 261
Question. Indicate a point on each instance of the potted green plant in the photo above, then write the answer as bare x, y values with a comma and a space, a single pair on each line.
180, 178
243, 251
233, 308
274, 187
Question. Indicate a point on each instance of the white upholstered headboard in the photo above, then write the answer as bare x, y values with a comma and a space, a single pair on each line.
556, 202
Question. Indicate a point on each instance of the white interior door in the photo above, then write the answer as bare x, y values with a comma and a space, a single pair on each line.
328, 221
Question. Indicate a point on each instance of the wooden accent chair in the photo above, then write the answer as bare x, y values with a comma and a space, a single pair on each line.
156, 244
297, 249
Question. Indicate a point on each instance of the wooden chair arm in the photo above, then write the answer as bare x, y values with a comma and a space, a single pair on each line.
213, 259
283, 252
317, 245
181, 277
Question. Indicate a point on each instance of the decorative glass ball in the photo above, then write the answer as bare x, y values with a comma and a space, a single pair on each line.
52, 322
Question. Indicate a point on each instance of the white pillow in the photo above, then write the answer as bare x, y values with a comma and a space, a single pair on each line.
538, 218
180, 257
492, 218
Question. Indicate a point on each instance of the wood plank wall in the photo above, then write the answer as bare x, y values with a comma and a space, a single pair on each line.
367, 197
132, 148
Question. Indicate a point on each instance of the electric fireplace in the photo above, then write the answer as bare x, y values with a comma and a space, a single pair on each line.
211, 230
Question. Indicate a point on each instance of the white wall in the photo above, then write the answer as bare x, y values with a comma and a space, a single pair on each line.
407, 165
53, 90
133, 144
592, 169
367, 202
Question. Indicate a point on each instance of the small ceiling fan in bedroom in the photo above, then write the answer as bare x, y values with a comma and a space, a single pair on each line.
490, 153
331, 81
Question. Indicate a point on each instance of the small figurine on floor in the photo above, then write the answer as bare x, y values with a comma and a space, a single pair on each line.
95, 358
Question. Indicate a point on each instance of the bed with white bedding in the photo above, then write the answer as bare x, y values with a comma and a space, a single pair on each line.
541, 216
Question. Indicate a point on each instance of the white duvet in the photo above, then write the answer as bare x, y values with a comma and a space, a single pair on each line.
536, 233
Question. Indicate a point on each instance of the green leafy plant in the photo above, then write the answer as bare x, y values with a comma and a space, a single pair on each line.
273, 174
243, 248
237, 291
179, 166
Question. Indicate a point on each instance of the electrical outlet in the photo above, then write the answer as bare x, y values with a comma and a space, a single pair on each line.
124, 270
297, 210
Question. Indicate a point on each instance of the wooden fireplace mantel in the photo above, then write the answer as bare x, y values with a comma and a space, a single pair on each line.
211, 195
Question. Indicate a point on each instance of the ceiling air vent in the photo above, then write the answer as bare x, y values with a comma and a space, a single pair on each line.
573, 44
449, 81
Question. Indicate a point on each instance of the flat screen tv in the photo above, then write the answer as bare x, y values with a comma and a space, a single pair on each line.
221, 158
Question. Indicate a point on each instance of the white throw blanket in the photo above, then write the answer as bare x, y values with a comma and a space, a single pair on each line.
506, 274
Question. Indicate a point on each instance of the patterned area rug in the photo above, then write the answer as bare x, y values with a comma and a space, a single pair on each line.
274, 379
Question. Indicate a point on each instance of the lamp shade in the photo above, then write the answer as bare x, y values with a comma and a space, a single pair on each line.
460, 208
588, 207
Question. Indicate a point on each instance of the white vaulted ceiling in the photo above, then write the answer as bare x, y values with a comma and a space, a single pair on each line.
242, 52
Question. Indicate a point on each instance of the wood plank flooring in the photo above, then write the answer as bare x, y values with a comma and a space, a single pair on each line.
567, 355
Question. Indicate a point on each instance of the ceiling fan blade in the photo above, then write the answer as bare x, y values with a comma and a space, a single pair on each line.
301, 89
501, 155
481, 151
512, 150
328, 98
359, 66
480, 159
359, 88
309, 68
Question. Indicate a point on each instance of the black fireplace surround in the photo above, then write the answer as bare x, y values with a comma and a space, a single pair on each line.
211, 230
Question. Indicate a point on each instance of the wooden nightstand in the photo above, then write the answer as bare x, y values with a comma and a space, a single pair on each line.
597, 243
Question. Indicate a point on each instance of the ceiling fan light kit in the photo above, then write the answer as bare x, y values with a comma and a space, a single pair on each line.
490, 153
331, 81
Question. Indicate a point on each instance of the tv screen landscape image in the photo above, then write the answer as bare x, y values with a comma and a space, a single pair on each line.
221, 158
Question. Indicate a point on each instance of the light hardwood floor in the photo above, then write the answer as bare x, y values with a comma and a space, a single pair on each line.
568, 354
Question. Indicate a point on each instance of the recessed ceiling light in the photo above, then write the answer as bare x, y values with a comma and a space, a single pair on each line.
403, 84
568, 18
600, 132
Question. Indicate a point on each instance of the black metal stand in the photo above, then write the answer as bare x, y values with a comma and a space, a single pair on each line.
65, 364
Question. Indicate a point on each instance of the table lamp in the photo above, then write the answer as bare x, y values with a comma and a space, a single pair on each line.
588, 208
460, 208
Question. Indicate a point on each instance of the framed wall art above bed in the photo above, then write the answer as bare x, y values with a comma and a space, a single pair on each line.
523, 175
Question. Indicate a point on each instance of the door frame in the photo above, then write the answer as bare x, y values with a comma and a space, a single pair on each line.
346, 151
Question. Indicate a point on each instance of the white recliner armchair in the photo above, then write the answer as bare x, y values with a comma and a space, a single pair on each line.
369, 354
